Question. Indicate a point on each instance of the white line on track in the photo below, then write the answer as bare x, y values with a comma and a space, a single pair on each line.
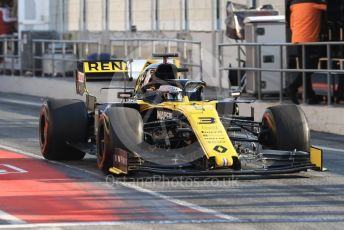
330, 149
180, 202
19, 102
15, 150
198, 221
4, 216
112, 223
140, 189
15, 168
221, 218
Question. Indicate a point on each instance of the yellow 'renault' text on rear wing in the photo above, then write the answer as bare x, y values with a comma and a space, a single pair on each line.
99, 71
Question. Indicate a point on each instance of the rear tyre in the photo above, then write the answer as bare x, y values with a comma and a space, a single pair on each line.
285, 127
61, 123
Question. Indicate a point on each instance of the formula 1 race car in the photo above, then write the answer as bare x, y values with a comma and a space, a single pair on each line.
164, 125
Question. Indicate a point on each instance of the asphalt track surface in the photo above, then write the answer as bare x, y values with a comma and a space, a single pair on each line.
35, 193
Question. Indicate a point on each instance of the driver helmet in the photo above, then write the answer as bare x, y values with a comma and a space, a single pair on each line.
170, 93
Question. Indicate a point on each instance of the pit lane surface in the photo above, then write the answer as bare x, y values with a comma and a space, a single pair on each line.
73, 194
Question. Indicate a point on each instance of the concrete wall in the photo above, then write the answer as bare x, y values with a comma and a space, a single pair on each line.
170, 15
143, 14
117, 15
201, 17
277, 4
36, 15
73, 15
94, 15
201, 14
209, 50
202, 27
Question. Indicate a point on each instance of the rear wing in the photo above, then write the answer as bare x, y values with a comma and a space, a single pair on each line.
99, 71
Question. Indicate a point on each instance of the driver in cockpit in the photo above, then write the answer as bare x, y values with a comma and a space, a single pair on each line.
150, 76
168, 92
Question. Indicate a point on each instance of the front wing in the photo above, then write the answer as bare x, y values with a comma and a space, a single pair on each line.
315, 162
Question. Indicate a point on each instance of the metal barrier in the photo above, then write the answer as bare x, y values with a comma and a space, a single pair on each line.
9, 54
258, 48
67, 52
133, 48
59, 57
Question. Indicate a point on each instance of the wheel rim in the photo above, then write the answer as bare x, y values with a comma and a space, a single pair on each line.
101, 147
267, 122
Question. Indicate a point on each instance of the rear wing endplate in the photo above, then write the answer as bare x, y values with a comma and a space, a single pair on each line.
99, 71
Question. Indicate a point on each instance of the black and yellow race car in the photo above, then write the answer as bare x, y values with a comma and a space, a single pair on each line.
164, 125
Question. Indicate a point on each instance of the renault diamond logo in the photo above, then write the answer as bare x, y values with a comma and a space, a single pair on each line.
220, 149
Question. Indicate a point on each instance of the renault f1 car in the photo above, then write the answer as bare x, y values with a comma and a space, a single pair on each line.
164, 125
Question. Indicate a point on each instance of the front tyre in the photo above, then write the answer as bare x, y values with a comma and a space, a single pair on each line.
105, 146
285, 127
118, 128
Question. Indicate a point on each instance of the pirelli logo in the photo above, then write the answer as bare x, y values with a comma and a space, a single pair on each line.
105, 67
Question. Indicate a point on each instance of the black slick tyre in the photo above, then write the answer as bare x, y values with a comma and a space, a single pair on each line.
118, 128
62, 122
105, 146
285, 127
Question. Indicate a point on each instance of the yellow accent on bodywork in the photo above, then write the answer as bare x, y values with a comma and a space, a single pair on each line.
117, 171
316, 156
206, 124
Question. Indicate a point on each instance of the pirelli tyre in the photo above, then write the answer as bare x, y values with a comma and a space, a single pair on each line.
105, 146
118, 128
285, 127
62, 123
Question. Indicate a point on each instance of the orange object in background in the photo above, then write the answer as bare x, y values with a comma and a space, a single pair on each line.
305, 21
